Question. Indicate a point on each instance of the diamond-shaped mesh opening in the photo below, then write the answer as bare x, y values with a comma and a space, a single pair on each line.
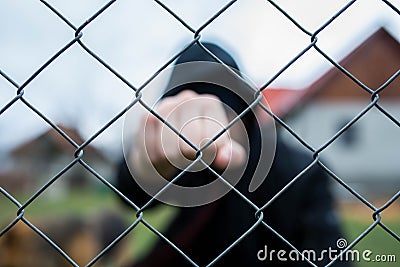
350, 156
73, 76
22, 246
263, 32
143, 239
311, 20
189, 12
311, 209
48, 34
76, 11
91, 217
135, 54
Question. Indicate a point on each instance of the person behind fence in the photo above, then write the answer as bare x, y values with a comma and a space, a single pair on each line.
303, 214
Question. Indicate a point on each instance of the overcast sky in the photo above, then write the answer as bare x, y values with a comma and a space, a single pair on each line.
137, 37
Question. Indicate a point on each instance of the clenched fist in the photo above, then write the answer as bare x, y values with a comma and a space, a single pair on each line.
197, 117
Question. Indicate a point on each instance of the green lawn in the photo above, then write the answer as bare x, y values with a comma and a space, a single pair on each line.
88, 204
379, 242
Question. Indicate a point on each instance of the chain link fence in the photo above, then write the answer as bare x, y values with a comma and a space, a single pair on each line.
78, 155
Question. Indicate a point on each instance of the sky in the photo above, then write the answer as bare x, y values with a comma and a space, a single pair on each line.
137, 37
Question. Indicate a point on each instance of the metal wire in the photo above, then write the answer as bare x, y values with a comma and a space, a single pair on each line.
78, 155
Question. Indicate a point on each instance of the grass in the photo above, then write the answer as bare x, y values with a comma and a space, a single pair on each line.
88, 204
355, 221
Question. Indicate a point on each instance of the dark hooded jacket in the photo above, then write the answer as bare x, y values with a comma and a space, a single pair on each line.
303, 214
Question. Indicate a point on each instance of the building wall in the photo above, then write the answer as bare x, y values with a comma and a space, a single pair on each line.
367, 155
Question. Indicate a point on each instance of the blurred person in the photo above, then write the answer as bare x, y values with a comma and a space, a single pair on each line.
304, 214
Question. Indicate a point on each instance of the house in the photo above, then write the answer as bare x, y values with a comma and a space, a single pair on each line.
33, 163
367, 154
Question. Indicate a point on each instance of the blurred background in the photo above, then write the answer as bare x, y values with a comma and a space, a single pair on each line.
136, 38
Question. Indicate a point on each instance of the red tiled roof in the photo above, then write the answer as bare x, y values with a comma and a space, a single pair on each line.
335, 85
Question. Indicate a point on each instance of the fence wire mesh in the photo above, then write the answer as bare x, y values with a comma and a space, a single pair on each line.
79, 149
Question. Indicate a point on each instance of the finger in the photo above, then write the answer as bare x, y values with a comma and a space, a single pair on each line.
228, 151
213, 109
230, 154
213, 124
192, 131
215, 121
152, 138
192, 124
169, 140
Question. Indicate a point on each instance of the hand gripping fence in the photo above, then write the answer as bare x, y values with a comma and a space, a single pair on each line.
78, 159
